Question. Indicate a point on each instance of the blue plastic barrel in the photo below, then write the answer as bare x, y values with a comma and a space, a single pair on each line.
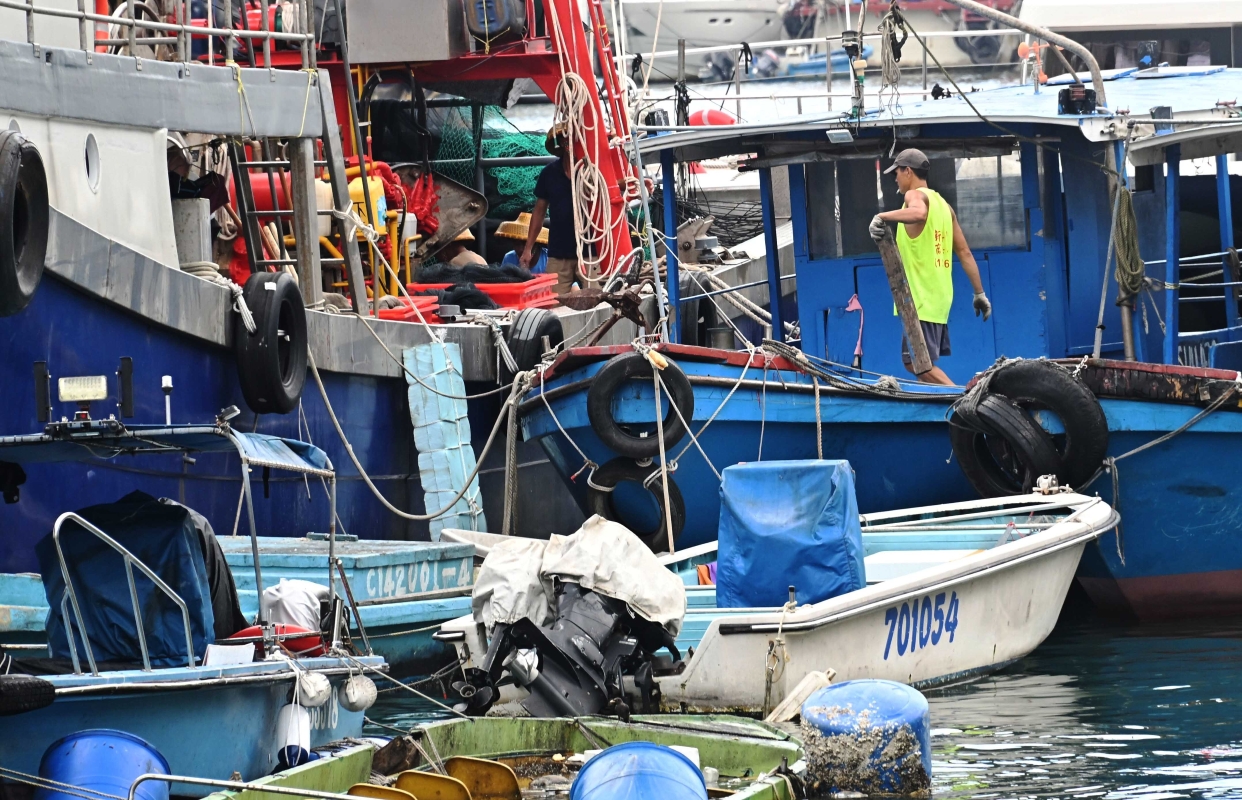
637, 770
868, 736
103, 760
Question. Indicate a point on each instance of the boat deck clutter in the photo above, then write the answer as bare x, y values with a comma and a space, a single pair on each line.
393, 409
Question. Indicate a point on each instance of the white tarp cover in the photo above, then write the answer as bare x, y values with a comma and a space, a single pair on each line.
516, 579
294, 602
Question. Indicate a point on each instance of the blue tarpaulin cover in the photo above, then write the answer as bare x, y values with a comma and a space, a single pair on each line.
788, 523
161, 535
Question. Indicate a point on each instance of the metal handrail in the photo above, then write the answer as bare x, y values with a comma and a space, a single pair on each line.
184, 32
130, 562
241, 785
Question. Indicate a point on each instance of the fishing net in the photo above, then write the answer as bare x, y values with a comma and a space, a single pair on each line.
509, 190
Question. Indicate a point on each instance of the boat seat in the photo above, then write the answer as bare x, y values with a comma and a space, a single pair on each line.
430, 786
379, 792
486, 780
892, 564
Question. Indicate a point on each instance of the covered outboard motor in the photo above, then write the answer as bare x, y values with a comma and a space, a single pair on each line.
594, 645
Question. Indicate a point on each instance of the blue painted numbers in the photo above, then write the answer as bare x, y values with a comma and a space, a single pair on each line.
920, 623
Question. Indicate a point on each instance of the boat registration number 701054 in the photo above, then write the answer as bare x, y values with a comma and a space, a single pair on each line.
921, 623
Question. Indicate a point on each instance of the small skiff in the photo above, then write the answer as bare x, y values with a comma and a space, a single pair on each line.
953, 591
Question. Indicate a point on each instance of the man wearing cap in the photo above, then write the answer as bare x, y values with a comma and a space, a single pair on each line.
927, 237
554, 197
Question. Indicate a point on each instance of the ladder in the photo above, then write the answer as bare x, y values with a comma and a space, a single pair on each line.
294, 178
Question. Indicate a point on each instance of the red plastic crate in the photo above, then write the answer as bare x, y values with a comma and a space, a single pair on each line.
534, 293
427, 305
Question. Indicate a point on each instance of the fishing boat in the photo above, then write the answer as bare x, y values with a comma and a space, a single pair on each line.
1040, 218
404, 590
951, 591
141, 609
747, 759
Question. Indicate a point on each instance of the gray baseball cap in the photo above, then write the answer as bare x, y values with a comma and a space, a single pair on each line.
912, 158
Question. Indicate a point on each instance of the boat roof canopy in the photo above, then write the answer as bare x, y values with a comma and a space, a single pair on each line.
109, 438
1201, 93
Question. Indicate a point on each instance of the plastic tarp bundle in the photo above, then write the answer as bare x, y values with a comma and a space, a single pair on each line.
162, 535
788, 523
518, 576
294, 602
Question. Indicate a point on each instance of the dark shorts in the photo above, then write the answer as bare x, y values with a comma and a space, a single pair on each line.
936, 335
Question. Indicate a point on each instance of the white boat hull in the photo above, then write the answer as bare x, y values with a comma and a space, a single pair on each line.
942, 623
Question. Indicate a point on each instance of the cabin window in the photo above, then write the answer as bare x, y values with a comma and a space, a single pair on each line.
1144, 179
989, 201
843, 196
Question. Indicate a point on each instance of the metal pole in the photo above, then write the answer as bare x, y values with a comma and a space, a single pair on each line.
331, 536
661, 305
267, 42
254, 538
773, 256
737, 88
668, 175
476, 119
1172, 250
83, 38
1224, 211
828, 71
30, 12
1097, 78
924, 69
231, 41
129, 12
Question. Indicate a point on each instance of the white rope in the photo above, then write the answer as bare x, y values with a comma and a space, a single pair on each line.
209, 271
509, 407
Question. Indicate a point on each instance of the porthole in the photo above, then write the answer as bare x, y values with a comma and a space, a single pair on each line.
92, 162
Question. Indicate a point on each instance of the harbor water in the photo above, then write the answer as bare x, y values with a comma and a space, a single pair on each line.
1100, 709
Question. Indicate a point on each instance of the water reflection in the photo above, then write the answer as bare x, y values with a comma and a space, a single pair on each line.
1099, 710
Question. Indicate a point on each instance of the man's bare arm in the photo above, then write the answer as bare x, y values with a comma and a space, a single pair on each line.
962, 250
914, 213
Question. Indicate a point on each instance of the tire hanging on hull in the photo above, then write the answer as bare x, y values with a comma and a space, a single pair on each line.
1002, 449
608, 382
271, 362
621, 470
24, 220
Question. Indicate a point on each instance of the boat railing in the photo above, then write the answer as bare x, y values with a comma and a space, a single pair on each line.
71, 597
181, 33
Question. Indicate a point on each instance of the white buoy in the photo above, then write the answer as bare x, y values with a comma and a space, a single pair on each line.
358, 693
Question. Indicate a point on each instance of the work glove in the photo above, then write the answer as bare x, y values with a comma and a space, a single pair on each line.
877, 229
983, 305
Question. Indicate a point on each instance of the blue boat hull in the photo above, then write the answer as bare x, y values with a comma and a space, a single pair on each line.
1181, 549
207, 731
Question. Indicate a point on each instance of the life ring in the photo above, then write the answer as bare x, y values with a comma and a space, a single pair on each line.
271, 362
525, 339
22, 693
620, 470
604, 388
23, 221
1038, 385
1003, 451
309, 646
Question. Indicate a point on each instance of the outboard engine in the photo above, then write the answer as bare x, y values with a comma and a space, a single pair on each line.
594, 656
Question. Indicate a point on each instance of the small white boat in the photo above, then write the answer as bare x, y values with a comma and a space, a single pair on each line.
954, 591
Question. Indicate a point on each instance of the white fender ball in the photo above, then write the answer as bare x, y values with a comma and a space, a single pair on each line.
358, 693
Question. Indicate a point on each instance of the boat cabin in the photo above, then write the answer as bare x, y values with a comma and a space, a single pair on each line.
1032, 191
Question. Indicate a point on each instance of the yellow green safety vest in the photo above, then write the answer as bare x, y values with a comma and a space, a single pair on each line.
928, 259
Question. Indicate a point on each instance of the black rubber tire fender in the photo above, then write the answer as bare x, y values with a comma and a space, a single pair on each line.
24, 220
620, 470
525, 339
1041, 385
22, 693
271, 362
1026, 442
606, 384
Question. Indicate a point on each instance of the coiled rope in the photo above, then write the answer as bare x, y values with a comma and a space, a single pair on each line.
209, 271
